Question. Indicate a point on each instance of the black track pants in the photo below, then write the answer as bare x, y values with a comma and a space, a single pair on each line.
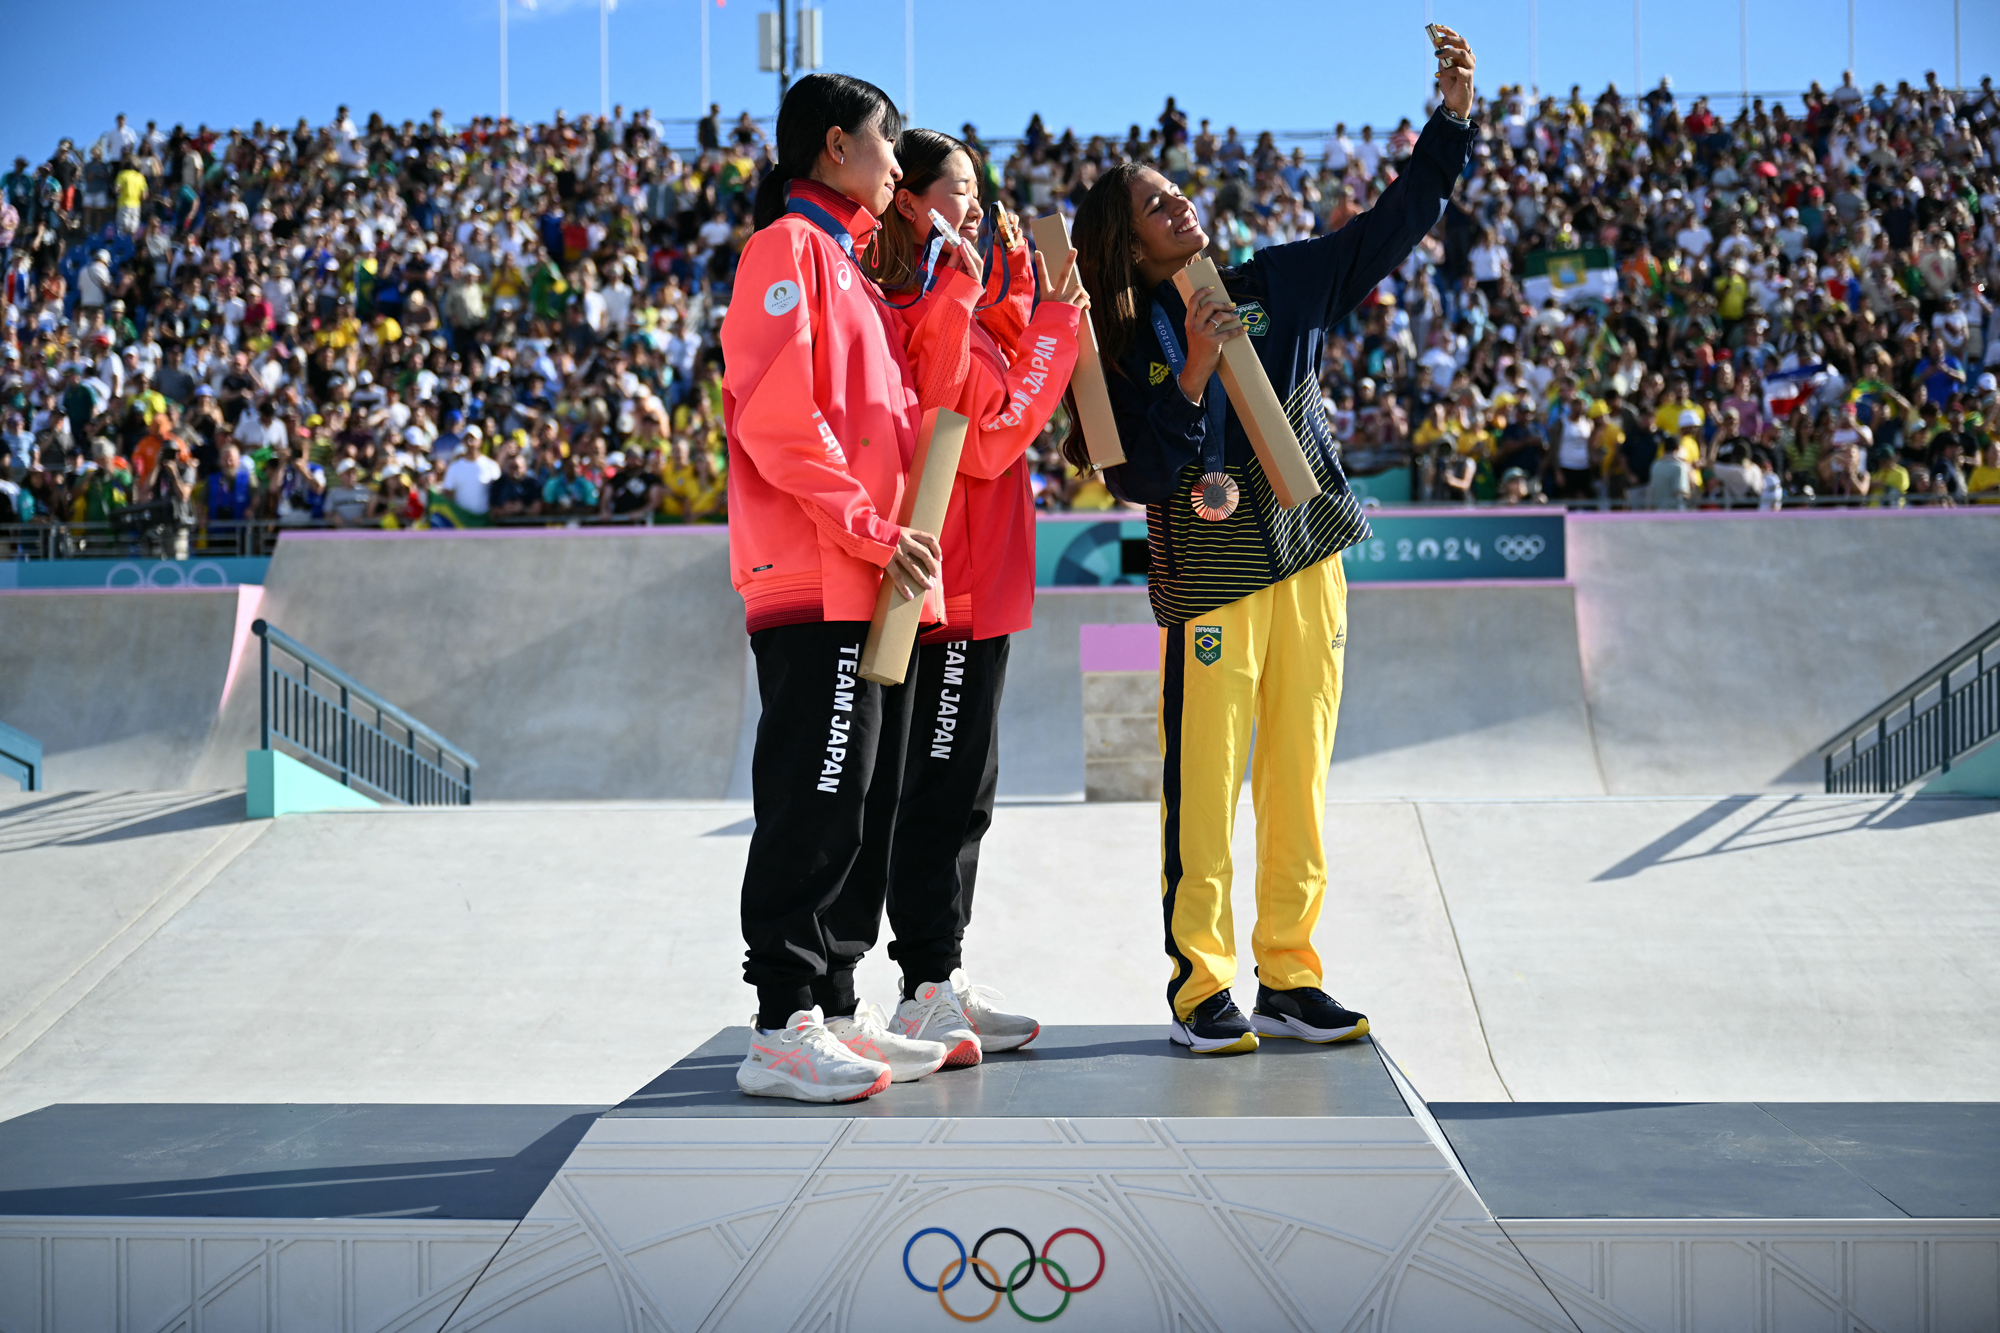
825, 779
949, 780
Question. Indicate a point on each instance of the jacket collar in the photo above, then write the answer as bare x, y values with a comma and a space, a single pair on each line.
858, 221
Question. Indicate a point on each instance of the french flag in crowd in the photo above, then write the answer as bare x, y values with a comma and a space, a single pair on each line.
1784, 390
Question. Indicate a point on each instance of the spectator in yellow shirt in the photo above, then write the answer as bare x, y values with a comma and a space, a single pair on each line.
696, 490
1983, 483
130, 188
1889, 482
1674, 408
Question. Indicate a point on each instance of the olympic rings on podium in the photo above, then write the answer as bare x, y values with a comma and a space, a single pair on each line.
1022, 1273
961, 1264
1075, 1231
935, 1231
980, 1244
1055, 1271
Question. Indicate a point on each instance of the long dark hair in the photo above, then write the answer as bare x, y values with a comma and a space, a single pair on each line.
815, 104
892, 260
1104, 234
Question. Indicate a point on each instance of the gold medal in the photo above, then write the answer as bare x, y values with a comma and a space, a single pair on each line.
1215, 496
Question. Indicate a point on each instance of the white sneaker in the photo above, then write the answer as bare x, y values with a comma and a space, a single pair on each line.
805, 1062
934, 1014
867, 1035
997, 1031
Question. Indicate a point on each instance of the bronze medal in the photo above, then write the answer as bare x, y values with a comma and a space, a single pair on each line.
1215, 496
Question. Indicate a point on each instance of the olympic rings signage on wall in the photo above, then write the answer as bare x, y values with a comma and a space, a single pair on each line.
1019, 1277
1413, 546
216, 574
1433, 546
1510, 547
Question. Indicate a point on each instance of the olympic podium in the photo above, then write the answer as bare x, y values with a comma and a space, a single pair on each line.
1103, 1176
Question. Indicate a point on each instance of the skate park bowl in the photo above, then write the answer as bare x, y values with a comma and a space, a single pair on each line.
1669, 1038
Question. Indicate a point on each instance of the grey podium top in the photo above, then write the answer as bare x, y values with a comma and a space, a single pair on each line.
299, 1161
1729, 1159
1070, 1072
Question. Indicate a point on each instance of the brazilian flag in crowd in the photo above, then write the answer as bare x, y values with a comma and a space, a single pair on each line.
441, 512
1569, 276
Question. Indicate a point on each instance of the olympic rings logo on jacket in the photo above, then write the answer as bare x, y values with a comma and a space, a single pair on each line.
1022, 1274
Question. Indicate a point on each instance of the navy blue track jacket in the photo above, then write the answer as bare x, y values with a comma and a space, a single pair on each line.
1290, 296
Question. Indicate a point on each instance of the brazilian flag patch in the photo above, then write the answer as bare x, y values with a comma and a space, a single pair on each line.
1207, 644
1256, 320
1157, 373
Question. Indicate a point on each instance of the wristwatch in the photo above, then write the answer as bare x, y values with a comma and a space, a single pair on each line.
1463, 122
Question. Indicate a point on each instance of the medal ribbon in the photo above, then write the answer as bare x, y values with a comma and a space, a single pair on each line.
829, 224
1215, 399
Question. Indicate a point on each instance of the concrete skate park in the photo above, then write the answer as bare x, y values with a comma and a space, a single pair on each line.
1664, 1034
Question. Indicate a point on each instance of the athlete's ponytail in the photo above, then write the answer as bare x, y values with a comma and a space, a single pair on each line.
817, 103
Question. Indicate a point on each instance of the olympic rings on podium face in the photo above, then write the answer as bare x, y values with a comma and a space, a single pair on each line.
961, 1264
980, 1244
1075, 1231
1055, 1272
1022, 1273
935, 1231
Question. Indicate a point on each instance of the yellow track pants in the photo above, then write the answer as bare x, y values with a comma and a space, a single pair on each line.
1271, 661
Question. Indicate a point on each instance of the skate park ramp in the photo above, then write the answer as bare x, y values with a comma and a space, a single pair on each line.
1701, 654
1790, 948
1719, 651
1463, 690
121, 688
570, 663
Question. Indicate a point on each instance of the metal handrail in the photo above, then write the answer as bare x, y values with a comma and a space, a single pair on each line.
357, 749
1927, 739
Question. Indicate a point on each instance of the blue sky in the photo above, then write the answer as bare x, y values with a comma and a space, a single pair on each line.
1095, 65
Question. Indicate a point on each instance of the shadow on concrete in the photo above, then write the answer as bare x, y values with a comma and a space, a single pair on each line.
82, 819
184, 1160
215, 812
1793, 819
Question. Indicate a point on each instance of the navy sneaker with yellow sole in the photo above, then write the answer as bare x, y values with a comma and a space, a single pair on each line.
1216, 1027
1305, 1013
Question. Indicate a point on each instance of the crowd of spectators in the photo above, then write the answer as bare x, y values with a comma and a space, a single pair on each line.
1787, 306
425, 324
393, 325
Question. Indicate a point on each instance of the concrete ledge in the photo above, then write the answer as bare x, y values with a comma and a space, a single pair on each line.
277, 784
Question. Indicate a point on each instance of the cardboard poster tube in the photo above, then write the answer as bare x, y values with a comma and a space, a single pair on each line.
1086, 382
892, 634
1255, 401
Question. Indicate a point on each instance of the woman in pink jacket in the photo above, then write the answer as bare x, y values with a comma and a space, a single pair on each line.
978, 343
821, 417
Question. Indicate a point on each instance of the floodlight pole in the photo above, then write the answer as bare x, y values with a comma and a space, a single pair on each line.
1534, 81
1637, 85
1743, 46
784, 55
